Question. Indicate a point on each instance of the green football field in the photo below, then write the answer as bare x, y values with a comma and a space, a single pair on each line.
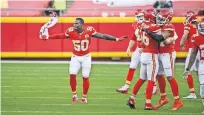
43, 89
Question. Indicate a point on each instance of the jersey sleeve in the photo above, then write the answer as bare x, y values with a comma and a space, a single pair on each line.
91, 30
168, 27
68, 31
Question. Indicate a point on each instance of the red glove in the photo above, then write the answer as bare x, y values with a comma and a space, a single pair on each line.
122, 38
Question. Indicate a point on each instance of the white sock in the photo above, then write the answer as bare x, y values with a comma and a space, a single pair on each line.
75, 95
126, 86
132, 97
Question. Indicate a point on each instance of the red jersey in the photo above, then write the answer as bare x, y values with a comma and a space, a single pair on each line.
170, 47
81, 41
137, 34
150, 45
192, 30
198, 42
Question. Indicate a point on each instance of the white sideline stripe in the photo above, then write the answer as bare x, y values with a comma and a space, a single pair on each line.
67, 62
104, 98
134, 112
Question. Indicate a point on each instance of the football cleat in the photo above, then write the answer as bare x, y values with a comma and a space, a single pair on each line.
162, 101
131, 103
177, 105
122, 89
83, 100
74, 99
191, 96
149, 106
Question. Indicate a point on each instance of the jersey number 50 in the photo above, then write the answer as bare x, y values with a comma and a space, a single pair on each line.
81, 45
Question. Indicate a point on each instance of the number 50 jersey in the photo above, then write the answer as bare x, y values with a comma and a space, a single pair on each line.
81, 41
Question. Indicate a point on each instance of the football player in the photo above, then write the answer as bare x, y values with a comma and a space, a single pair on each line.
135, 59
190, 25
149, 64
166, 57
197, 44
80, 36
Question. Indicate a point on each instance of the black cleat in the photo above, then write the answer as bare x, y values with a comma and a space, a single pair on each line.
131, 103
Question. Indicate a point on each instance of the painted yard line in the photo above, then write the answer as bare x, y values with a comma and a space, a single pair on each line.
92, 92
112, 71
103, 98
88, 104
63, 78
27, 86
38, 74
98, 112
67, 62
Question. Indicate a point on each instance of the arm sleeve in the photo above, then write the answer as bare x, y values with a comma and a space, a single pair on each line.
155, 36
58, 36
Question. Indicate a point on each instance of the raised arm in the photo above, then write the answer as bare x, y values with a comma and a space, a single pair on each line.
108, 37
44, 34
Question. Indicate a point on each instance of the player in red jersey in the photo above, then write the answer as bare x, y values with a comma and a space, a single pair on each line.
166, 58
135, 59
197, 44
80, 36
190, 25
149, 64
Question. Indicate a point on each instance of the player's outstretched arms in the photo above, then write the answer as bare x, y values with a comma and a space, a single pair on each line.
108, 37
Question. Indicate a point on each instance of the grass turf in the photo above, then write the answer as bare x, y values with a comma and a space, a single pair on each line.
42, 89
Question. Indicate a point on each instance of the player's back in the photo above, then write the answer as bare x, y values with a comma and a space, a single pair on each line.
150, 45
170, 47
192, 30
81, 41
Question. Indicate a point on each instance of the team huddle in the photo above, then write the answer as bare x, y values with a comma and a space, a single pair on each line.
155, 36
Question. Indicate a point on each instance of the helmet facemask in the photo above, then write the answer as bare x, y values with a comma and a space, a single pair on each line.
140, 17
189, 18
160, 20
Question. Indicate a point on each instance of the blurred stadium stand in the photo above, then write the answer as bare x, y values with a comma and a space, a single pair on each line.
86, 8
